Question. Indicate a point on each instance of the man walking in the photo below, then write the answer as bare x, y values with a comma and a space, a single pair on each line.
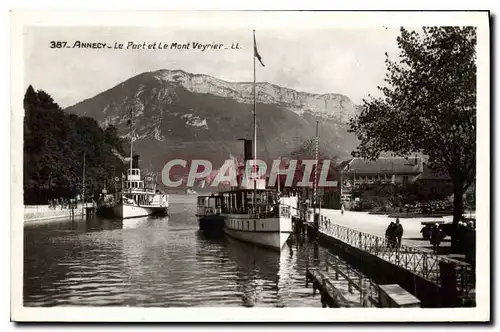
398, 232
390, 235
435, 238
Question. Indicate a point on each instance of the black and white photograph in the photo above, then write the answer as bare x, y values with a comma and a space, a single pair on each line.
278, 166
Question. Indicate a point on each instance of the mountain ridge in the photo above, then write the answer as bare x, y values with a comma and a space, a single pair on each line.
186, 114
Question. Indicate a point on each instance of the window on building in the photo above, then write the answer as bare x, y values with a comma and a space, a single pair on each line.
405, 178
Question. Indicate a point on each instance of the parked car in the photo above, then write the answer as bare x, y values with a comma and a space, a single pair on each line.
445, 228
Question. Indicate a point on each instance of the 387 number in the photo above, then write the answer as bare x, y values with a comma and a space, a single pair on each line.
58, 44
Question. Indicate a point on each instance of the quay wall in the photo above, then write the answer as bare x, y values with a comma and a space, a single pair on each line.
383, 272
44, 212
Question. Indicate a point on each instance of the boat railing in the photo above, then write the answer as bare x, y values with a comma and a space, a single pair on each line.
270, 211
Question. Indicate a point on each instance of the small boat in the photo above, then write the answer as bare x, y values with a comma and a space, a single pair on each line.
208, 211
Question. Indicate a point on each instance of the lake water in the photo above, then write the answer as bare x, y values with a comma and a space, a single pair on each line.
157, 262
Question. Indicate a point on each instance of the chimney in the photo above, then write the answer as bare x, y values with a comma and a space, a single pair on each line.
248, 149
135, 161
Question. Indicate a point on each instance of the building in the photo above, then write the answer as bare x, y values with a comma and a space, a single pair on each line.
395, 170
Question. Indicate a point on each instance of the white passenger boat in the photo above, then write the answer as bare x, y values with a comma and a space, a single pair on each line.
269, 224
139, 198
250, 212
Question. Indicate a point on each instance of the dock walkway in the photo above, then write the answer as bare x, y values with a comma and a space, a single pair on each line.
339, 284
421, 263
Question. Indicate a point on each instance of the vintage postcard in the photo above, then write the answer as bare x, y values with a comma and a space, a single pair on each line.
250, 166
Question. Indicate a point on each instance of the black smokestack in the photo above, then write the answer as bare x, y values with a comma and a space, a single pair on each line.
248, 149
135, 161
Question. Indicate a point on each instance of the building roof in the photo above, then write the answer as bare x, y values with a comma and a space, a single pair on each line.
429, 174
393, 165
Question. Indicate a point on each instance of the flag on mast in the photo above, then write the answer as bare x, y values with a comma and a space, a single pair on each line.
256, 53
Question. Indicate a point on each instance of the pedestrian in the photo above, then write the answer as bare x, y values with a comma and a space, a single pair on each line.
435, 238
470, 244
398, 232
342, 209
389, 235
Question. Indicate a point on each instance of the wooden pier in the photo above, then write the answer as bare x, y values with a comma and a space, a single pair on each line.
340, 286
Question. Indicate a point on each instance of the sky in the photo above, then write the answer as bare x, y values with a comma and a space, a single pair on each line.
345, 61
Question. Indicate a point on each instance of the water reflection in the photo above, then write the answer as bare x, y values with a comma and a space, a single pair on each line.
157, 262
257, 271
146, 222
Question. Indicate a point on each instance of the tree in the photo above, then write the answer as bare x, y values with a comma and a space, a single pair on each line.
428, 105
54, 143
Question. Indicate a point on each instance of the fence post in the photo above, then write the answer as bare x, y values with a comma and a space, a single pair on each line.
448, 277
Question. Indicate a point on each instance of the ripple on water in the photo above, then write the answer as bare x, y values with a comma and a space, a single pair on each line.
157, 263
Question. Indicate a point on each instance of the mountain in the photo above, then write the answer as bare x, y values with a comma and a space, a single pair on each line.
183, 115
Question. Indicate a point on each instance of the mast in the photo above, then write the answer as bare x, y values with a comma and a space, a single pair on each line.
279, 178
131, 143
254, 131
83, 185
131, 135
315, 185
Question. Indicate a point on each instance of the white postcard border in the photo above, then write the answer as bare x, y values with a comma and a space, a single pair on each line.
250, 20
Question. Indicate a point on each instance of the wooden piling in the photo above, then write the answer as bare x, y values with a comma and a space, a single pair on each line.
324, 294
307, 272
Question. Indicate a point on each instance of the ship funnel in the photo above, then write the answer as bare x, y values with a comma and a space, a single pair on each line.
248, 148
135, 161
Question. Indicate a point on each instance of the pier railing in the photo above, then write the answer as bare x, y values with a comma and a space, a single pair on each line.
422, 263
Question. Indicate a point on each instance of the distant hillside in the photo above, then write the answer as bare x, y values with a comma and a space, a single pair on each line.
183, 115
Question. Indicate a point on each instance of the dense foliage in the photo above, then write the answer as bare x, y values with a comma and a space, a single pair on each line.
428, 105
390, 197
54, 146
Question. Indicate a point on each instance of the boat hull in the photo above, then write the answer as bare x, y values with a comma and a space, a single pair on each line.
212, 225
271, 240
134, 211
267, 232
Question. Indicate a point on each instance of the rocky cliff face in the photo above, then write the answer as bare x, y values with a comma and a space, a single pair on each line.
183, 115
330, 106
